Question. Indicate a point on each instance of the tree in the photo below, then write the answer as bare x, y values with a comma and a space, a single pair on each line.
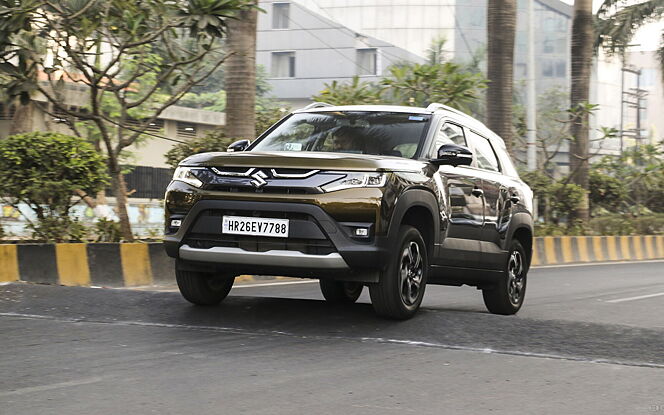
582, 53
501, 26
240, 76
50, 173
355, 92
421, 84
617, 22
126, 56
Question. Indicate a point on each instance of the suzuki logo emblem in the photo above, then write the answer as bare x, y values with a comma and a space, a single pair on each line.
259, 179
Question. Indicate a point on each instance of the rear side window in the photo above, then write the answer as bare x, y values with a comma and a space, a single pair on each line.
448, 134
484, 152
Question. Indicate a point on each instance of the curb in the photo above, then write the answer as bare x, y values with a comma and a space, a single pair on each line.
145, 264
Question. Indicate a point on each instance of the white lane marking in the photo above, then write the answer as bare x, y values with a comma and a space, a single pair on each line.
638, 297
416, 343
591, 264
43, 388
269, 284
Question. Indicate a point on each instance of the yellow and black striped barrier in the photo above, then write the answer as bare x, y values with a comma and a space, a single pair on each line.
554, 250
102, 264
139, 264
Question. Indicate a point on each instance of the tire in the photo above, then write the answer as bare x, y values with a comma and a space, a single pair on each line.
203, 288
506, 297
340, 292
400, 289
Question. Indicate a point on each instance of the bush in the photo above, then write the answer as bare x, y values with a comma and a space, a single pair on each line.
58, 229
108, 230
49, 172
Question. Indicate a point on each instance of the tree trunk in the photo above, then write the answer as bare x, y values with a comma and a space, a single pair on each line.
501, 29
240, 76
22, 119
582, 53
120, 192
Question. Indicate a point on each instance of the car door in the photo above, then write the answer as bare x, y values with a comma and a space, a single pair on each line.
496, 199
460, 247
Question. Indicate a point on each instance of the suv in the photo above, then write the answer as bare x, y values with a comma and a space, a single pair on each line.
388, 197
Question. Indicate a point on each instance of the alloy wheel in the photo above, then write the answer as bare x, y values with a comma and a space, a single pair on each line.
411, 272
515, 278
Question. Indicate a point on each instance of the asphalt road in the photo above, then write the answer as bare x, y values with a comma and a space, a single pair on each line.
590, 339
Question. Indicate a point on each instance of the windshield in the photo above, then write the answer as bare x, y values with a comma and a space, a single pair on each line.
381, 133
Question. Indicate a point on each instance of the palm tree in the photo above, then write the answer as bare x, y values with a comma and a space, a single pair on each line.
501, 21
582, 54
240, 76
616, 25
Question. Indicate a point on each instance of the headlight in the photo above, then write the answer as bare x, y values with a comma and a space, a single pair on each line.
186, 174
357, 180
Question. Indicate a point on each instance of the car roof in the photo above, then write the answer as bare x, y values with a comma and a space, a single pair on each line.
434, 108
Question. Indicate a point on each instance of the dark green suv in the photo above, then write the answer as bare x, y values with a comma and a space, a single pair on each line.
393, 198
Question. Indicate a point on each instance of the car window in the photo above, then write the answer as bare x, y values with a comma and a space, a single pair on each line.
360, 132
484, 153
448, 134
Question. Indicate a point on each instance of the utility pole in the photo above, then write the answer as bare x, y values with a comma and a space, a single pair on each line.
531, 99
633, 98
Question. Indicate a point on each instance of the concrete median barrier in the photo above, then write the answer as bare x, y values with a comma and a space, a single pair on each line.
144, 264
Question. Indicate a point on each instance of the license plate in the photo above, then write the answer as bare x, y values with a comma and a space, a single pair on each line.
244, 225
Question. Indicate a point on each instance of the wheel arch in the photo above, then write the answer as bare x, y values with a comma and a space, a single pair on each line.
417, 208
522, 231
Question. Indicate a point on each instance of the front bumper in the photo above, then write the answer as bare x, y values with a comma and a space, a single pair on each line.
346, 254
276, 258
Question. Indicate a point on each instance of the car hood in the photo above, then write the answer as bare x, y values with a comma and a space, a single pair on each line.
305, 160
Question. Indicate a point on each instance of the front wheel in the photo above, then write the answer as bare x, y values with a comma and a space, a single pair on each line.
340, 292
400, 290
506, 297
203, 288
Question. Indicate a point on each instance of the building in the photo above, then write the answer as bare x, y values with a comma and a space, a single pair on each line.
303, 50
612, 86
175, 123
414, 25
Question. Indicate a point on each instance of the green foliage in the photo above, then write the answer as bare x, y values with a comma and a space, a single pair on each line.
108, 230
58, 229
268, 112
213, 141
48, 172
623, 224
355, 92
606, 191
556, 199
410, 84
617, 22
133, 59
638, 175
211, 101
419, 85
436, 52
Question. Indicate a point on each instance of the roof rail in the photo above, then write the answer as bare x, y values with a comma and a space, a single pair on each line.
317, 105
436, 106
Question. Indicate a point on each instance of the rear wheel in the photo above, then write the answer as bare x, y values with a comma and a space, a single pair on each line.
203, 288
507, 296
340, 292
400, 290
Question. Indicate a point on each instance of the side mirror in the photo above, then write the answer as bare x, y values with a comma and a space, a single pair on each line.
239, 145
453, 155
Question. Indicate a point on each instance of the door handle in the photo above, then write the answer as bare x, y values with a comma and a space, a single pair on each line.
477, 192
